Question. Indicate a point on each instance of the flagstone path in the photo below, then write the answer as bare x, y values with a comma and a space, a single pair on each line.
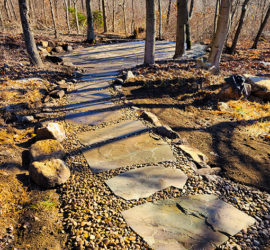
185, 223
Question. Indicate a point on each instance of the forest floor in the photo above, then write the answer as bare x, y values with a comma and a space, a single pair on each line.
236, 139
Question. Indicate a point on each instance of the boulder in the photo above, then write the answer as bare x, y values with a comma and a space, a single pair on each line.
149, 117
44, 44
49, 173
47, 149
196, 155
58, 49
229, 93
54, 59
58, 93
51, 130
127, 76
260, 86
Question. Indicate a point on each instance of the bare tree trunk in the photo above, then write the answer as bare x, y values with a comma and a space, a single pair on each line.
13, 10
67, 16
44, 12
223, 25
254, 46
133, 17
53, 19
239, 28
28, 36
82, 3
7, 10
76, 16
90, 25
168, 13
113, 16
56, 9
188, 35
149, 54
105, 29
216, 16
160, 20
124, 16
182, 19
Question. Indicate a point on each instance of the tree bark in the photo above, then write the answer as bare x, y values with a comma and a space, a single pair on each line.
216, 15
124, 16
113, 16
255, 44
168, 13
160, 20
133, 17
239, 28
90, 25
219, 39
76, 16
28, 36
53, 19
105, 29
182, 20
149, 53
44, 12
67, 16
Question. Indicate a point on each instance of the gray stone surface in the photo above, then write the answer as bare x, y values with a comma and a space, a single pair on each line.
143, 182
196, 222
115, 150
123, 129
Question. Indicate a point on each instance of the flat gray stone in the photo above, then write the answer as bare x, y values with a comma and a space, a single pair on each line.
195, 222
123, 129
143, 182
113, 150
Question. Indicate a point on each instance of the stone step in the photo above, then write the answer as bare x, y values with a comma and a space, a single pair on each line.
143, 182
195, 222
110, 149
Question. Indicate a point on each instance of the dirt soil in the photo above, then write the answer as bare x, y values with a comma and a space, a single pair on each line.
236, 139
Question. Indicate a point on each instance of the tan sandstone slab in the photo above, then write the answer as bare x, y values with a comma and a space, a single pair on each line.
119, 151
195, 222
143, 182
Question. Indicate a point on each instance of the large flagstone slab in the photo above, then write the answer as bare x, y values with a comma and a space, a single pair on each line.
113, 150
143, 182
123, 129
195, 222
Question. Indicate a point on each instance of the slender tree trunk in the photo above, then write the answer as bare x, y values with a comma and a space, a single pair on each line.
53, 19
105, 29
44, 12
188, 35
7, 10
76, 16
113, 16
168, 13
223, 25
124, 16
83, 7
67, 16
191, 8
149, 54
216, 16
28, 36
90, 25
56, 9
160, 20
13, 10
182, 19
133, 17
239, 28
254, 46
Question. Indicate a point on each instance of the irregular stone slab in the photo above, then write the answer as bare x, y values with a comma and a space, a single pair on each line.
136, 149
195, 154
143, 182
117, 131
175, 224
222, 216
49, 173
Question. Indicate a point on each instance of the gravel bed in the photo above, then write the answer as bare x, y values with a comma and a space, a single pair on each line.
92, 213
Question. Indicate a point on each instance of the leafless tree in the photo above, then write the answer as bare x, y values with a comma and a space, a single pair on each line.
53, 19
219, 38
149, 54
67, 15
90, 25
105, 29
28, 36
